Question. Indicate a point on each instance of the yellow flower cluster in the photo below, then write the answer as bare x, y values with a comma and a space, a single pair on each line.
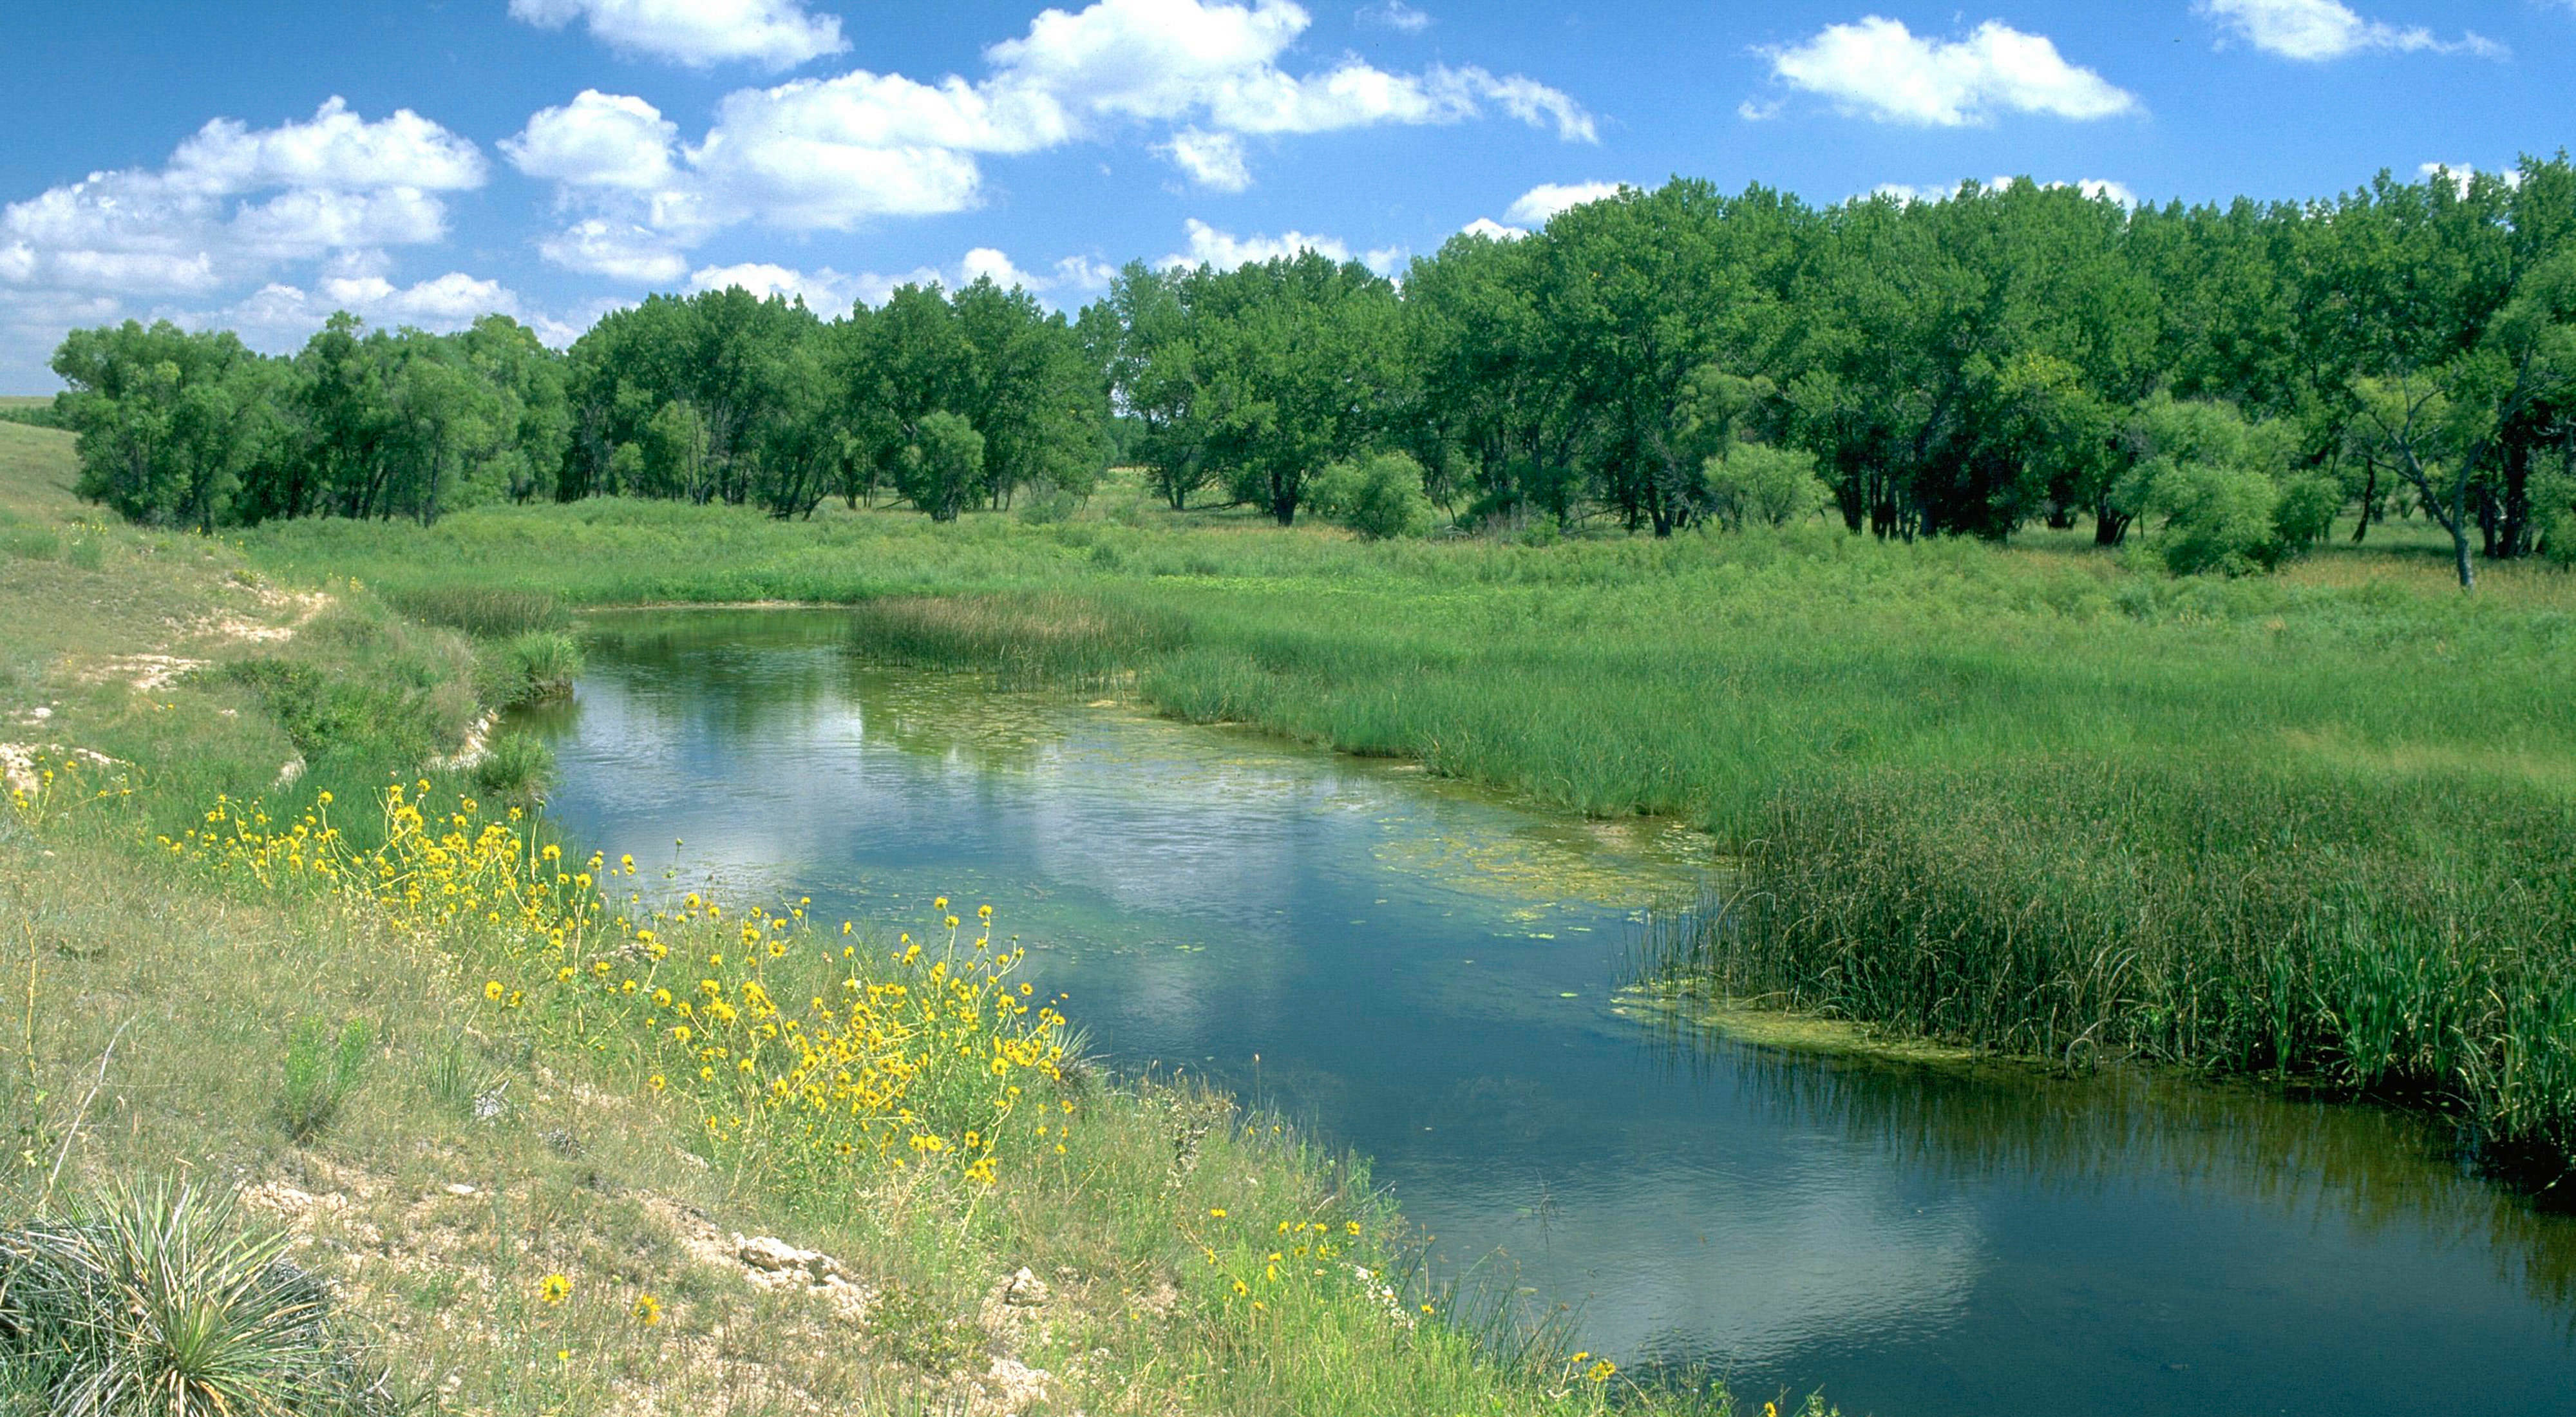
45, 784
794, 1056
1290, 1260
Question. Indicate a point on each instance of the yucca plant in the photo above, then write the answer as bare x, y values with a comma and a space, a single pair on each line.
152, 1301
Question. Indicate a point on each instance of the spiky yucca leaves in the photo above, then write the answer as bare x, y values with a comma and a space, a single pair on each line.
152, 1301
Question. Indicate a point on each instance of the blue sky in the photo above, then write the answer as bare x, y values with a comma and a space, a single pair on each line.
421, 161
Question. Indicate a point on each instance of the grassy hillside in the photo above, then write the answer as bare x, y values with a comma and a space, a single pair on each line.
233, 966
37, 470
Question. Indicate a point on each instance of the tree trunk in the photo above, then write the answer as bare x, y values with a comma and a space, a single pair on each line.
2369, 500
2458, 525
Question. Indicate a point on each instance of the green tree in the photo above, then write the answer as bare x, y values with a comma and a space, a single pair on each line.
169, 422
942, 466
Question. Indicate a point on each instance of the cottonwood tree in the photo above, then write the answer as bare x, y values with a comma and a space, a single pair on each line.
2439, 428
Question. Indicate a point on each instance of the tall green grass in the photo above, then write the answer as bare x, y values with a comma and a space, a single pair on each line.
2388, 938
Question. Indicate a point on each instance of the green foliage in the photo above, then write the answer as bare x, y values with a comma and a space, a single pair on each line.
921, 1332
514, 765
1379, 496
2215, 517
321, 1072
529, 668
34, 413
2304, 515
941, 465
152, 1301
356, 689
547, 661
1755, 484
1968, 366
2209, 483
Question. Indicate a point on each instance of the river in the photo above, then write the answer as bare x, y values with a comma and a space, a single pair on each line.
1431, 976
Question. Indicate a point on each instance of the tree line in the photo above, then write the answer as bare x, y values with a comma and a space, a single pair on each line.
2233, 378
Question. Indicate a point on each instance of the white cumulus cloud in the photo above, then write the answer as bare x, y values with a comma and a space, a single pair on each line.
2461, 174
336, 148
1207, 246
1213, 160
837, 153
1394, 15
1876, 68
829, 292
1535, 206
234, 202
598, 140
621, 251
2319, 30
775, 34
1492, 230
278, 316
826, 292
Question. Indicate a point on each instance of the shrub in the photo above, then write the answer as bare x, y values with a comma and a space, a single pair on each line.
320, 1074
2554, 507
1379, 496
153, 1301
538, 665
516, 765
1755, 483
2304, 516
2214, 517
1046, 506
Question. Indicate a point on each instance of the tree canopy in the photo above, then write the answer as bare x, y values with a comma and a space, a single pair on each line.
2219, 380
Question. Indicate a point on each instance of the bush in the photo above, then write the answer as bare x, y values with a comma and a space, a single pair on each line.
151, 1301
1046, 506
2554, 508
2304, 516
516, 765
1379, 496
2214, 517
1757, 484
320, 1074
538, 665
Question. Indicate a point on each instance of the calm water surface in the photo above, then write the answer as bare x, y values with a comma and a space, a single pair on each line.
1429, 976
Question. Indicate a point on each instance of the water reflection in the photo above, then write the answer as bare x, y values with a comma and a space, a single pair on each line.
1429, 975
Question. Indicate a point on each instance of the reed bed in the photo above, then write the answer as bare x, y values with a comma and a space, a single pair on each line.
2385, 939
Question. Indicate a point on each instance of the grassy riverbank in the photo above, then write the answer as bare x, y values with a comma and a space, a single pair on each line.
2031, 799
518, 1200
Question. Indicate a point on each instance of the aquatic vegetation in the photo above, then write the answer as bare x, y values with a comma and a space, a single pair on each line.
2369, 935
